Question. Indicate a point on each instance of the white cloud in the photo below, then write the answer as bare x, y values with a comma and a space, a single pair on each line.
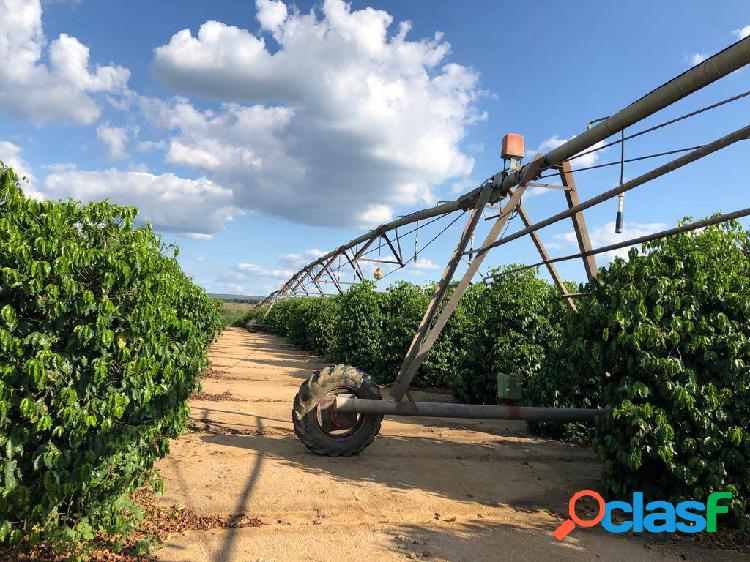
197, 235
115, 139
252, 270
345, 120
375, 214
53, 2
581, 162
463, 185
420, 268
605, 234
196, 208
297, 261
218, 286
742, 32
10, 154
423, 264
271, 14
697, 58
146, 146
61, 167
58, 91
537, 191
553, 142
251, 278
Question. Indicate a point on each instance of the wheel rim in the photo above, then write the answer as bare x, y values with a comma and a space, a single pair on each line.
334, 424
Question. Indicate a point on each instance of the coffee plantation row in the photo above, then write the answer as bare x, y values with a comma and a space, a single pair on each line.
662, 339
102, 337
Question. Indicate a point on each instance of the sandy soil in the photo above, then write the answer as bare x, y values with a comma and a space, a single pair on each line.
427, 489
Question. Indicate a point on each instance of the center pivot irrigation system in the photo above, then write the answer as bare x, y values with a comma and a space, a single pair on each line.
338, 411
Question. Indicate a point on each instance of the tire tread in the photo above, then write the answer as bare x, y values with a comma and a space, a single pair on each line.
309, 395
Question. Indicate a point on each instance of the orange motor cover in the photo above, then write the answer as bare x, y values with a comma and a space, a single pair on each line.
513, 146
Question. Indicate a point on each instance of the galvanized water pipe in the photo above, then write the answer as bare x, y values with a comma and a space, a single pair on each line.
349, 404
719, 65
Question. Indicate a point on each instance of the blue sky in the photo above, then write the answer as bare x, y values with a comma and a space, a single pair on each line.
256, 136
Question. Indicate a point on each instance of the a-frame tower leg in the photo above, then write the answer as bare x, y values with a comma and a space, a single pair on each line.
579, 222
556, 279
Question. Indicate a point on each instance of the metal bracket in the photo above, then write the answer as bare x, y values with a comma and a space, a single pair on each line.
372, 260
548, 185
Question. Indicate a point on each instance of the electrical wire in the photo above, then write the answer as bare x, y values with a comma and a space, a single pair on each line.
703, 223
419, 226
423, 248
429, 222
622, 139
618, 162
664, 124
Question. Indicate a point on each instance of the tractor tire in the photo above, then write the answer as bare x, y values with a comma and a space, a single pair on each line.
307, 412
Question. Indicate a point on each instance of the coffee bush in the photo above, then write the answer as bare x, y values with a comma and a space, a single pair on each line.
505, 325
102, 337
514, 322
664, 340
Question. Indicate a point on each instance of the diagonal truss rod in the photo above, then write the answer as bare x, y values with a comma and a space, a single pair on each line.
579, 224
397, 254
355, 266
428, 331
730, 59
703, 223
413, 355
335, 281
705, 150
557, 280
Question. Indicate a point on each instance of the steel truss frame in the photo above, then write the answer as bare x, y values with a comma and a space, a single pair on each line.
509, 187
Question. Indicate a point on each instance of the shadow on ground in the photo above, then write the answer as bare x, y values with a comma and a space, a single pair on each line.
407, 463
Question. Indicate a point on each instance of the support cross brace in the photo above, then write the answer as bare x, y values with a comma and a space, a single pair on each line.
393, 249
579, 223
545, 256
403, 380
335, 281
325, 267
355, 266
428, 333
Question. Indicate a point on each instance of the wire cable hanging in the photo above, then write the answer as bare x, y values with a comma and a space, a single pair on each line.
417, 250
407, 233
663, 124
719, 65
636, 159
716, 219
718, 144
423, 248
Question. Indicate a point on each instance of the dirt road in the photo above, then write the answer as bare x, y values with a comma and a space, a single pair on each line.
426, 489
